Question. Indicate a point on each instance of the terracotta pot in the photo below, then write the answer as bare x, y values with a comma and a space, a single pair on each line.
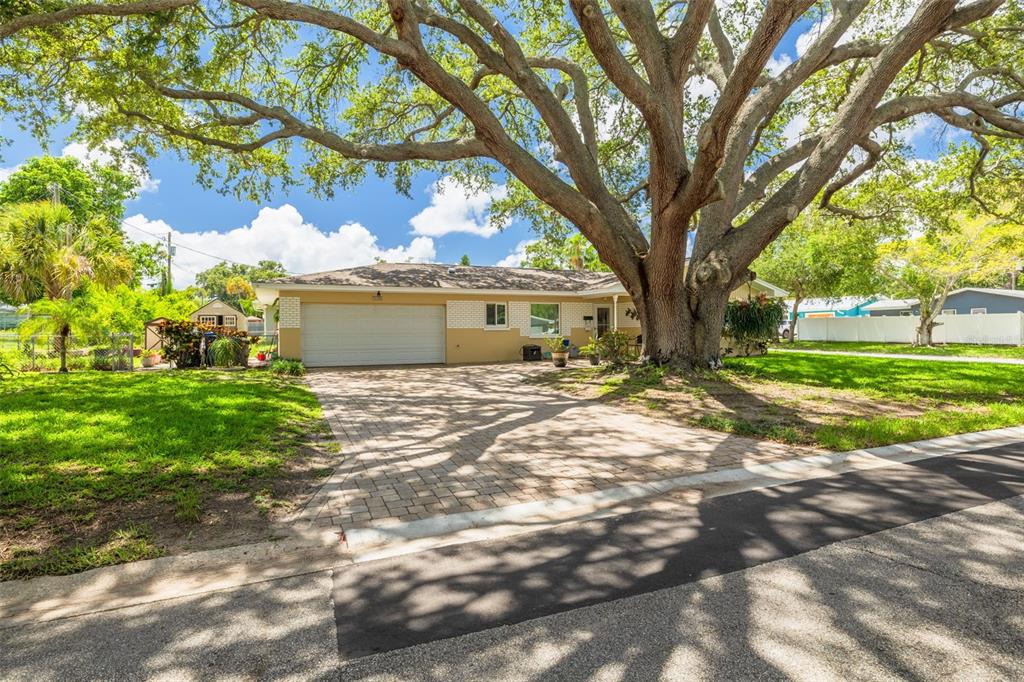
560, 359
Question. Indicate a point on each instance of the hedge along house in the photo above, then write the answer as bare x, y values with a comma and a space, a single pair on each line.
414, 313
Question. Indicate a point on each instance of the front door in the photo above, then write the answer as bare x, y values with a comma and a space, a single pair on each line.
604, 320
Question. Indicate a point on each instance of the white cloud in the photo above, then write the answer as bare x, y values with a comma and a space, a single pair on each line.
777, 65
8, 172
794, 128
457, 208
279, 234
105, 155
515, 258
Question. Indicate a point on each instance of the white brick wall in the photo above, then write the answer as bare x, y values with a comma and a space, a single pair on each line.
289, 313
624, 320
572, 316
467, 314
519, 317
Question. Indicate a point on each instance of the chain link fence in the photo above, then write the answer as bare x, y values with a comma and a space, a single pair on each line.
42, 353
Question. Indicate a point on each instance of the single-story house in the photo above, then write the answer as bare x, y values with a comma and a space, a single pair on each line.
846, 306
219, 313
413, 313
967, 301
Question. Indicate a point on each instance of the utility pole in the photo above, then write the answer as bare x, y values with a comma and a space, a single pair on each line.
55, 193
167, 275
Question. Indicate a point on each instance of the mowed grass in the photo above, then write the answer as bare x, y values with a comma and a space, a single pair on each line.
953, 349
958, 397
73, 446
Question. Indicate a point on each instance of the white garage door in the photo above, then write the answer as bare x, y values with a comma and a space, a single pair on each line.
334, 335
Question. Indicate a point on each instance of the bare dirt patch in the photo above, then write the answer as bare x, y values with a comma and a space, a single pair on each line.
788, 413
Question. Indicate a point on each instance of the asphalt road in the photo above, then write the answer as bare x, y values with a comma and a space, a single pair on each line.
911, 571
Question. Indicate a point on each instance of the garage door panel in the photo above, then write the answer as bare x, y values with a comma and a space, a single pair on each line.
335, 334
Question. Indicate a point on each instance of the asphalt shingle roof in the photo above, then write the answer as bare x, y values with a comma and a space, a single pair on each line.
440, 276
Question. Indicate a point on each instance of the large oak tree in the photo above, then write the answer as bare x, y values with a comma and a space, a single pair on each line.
636, 122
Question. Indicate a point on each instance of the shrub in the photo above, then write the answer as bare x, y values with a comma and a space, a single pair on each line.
182, 340
292, 368
557, 344
755, 320
225, 352
614, 347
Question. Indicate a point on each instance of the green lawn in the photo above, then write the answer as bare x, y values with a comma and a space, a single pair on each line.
958, 349
75, 447
955, 397
830, 401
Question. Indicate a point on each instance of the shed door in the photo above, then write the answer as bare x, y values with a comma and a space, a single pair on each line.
335, 335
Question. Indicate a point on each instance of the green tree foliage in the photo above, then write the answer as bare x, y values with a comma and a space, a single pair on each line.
960, 251
232, 282
649, 126
464, 260
90, 192
822, 255
61, 318
126, 309
45, 252
554, 251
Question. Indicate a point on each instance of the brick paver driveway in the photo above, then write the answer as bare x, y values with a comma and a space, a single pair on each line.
423, 441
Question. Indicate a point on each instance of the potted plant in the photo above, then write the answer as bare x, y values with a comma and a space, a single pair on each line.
559, 347
590, 350
150, 358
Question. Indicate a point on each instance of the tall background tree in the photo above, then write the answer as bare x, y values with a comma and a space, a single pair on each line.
644, 125
232, 282
928, 267
824, 256
93, 193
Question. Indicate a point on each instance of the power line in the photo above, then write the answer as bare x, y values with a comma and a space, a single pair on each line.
63, 194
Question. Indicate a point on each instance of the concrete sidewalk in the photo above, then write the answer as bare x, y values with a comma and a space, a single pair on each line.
909, 571
152, 581
903, 356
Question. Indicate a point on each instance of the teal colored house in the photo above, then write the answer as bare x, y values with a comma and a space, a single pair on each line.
847, 306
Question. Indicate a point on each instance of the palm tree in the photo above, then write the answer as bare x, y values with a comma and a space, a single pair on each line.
45, 253
58, 317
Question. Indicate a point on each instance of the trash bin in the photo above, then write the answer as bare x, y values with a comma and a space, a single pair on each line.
532, 352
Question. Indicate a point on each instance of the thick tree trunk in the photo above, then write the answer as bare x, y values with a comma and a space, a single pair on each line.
674, 333
64, 351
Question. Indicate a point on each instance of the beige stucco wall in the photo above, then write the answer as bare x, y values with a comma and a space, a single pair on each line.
465, 344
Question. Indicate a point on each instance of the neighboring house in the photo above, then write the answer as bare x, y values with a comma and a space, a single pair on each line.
219, 313
847, 306
10, 317
967, 301
411, 313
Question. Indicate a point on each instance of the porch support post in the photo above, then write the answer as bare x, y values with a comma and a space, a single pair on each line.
615, 313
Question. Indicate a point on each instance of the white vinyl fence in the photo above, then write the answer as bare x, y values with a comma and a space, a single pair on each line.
999, 329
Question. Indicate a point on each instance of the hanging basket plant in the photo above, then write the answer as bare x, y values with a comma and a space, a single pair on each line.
754, 322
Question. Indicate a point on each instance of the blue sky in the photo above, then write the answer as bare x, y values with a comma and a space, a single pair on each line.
438, 223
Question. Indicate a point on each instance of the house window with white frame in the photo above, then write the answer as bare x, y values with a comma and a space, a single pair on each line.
979, 311
905, 313
207, 319
230, 321
949, 311
544, 319
496, 316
